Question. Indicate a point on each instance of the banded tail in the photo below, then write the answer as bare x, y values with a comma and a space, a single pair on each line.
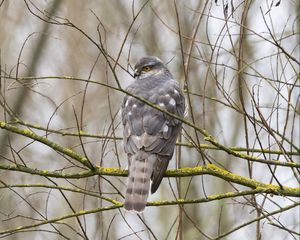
140, 171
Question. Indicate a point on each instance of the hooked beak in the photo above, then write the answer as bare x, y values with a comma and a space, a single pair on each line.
136, 73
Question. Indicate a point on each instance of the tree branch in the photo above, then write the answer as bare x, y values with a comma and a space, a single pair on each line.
117, 204
209, 169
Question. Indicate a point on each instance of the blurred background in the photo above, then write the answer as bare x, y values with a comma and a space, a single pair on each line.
238, 62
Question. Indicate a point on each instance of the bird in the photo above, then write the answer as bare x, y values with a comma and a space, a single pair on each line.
149, 135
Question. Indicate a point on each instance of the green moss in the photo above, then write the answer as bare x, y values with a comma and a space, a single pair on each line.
27, 132
155, 203
117, 203
208, 138
68, 151
242, 155
111, 171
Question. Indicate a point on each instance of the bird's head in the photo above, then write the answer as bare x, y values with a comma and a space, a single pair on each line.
148, 66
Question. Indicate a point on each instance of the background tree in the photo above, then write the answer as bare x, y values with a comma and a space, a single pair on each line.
64, 69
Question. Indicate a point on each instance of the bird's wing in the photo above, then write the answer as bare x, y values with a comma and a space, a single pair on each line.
151, 130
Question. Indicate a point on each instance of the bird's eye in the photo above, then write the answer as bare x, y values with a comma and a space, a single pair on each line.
146, 68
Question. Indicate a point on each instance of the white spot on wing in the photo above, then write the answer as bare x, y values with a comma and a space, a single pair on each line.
172, 102
136, 138
130, 113
137, 141
176, 92
166, 128
134, 106
127, 102
161, 104
127, 131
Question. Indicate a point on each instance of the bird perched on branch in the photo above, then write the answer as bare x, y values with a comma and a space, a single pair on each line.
149, 134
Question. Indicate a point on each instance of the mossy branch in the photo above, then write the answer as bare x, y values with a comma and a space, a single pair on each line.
248, 157
156, 203
59, 219
83, 160
209, 169
93, 170
119, 89
46, 141
189, 145
117, 204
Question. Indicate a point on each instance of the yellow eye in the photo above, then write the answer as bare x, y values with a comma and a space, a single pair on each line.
146, 69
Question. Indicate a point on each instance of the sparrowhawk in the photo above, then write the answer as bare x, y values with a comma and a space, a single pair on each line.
149, 134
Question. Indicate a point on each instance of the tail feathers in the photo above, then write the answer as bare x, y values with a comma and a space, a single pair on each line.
140, 171
159, 169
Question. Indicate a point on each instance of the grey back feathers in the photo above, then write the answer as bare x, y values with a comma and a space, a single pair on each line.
149, 134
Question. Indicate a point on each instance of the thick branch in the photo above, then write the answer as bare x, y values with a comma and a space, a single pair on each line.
86, 162
209, 169
46, 141
189, 145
